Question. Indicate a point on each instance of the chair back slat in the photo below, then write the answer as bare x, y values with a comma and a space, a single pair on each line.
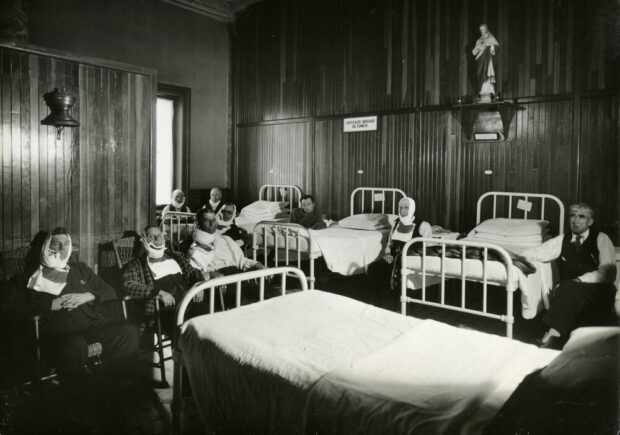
124, 250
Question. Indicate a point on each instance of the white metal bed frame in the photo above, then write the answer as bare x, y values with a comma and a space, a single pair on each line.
177, 221
510, 284
211, 286
278, 191
297, 233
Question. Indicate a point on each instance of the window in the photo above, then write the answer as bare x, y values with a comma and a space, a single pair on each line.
164, 156
171, 143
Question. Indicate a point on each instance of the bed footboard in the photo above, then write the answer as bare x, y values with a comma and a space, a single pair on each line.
443, 245
292, 238
211, 286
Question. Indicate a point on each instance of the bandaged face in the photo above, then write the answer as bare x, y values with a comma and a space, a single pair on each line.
153, 242
60, 245
179, 197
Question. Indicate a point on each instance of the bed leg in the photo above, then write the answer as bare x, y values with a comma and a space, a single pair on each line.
311, 277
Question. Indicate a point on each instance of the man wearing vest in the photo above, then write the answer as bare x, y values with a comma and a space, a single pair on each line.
586, 263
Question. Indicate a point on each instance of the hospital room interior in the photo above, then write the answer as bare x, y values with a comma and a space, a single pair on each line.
310, 217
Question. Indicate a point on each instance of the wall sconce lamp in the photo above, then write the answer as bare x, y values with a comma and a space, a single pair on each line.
59, 102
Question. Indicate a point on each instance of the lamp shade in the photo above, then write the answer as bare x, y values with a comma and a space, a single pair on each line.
59, 103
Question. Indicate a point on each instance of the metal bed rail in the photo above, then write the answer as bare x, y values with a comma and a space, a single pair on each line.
211, 286
292, 235
543, 197
177, 222
510, 285
281, 192
377, 195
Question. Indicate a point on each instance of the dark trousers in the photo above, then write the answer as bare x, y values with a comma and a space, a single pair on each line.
379, 279
249, 290
119, 341
576, 302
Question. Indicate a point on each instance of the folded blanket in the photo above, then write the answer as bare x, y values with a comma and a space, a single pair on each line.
475, 253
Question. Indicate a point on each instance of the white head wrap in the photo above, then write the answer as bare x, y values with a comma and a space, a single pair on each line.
223, 224
152, 250
51, 276
407, 220
173, 202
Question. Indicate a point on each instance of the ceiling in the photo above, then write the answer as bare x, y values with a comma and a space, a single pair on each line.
220, 10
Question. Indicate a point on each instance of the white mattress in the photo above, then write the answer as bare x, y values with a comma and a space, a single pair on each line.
534, 287
278, 347
248, 224
313, 359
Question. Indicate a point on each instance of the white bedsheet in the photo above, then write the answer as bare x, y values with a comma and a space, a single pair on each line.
317, 361
433, 379
534, 287
248, 224
347, 251
278, 347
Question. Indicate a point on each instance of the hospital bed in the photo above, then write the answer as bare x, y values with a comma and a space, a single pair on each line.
431, 261
315, 362
287, 195
346, 250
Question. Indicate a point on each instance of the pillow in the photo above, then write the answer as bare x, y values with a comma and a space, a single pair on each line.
366, 221
576, 393
512, 227
264, 208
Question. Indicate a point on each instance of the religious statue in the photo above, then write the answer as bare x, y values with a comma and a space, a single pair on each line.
483, 52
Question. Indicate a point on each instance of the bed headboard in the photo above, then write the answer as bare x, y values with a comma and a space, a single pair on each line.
387, 196
280, 192
516, 205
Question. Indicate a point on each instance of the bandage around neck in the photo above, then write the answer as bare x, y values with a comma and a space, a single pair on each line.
153, 251
203, 237
166, 267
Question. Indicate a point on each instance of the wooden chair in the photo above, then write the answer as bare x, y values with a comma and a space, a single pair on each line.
125, 250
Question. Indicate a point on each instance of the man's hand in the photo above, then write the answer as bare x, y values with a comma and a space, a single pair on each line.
57, 303
199, 297
388, 258
259, 266
73, 300
215, 274
166, 298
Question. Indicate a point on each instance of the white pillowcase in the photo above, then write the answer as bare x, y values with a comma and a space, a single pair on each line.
264, 209
511, 227
366, 221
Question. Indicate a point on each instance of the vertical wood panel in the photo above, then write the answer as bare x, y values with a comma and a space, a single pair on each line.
93, 180
401, 58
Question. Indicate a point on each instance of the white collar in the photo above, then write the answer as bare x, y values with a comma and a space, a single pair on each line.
583, 235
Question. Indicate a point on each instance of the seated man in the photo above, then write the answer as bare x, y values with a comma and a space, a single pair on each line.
215, 200
306, 215
226, 225
587, 272
155, 272
216, 254
69, 297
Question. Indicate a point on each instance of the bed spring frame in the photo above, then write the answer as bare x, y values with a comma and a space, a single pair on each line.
508, 316
211, 286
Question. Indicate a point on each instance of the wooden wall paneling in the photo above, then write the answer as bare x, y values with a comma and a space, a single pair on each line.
273, 154
85, 227
33, 131
599, 147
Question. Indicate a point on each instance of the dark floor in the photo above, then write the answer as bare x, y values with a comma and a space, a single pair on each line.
97, 406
